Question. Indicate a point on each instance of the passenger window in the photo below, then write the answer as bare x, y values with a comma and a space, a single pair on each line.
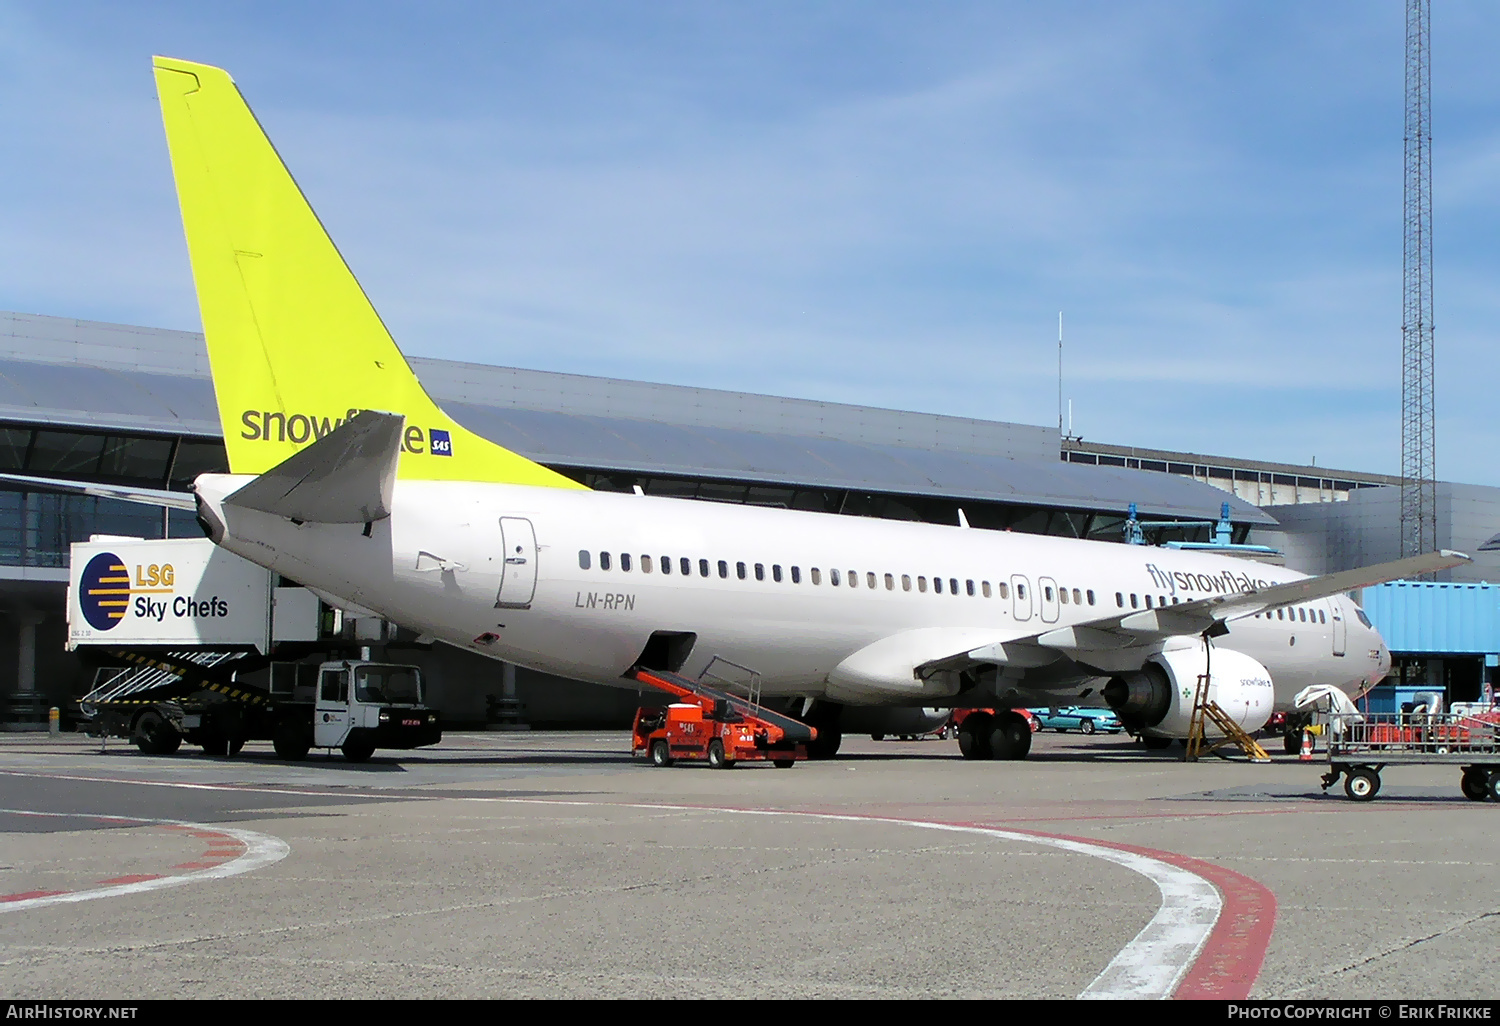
1279, 616
1119, 600
760, 571
625, 562
1062, 593
1090, 594
702, 568
937, 585
1021, 592
969, 585
776, 572
906, 582
985, 587
1322, 618
890, 582
922, 584
854, 578
833, 578
583, 559
666, 564
817, 575
1302, 614
1148, 601
604, 561
1047, 593
870, 580
723, 569
1004, 590
796, 575
739, 570
953, 586
686, 566
645, 564
1078, 599
1133, 601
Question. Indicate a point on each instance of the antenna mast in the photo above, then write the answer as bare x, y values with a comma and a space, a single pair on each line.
1418, 422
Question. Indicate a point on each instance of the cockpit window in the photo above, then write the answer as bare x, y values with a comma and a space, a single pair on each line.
1362, 617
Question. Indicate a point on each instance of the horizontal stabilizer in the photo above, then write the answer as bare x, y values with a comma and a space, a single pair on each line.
345, 477
158, 497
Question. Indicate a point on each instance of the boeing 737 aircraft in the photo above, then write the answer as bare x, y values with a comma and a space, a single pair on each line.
347, 478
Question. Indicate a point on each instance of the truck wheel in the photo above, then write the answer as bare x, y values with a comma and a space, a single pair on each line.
1362, 784
235, 744
1476, 785
783, 763
215, 744
1495, 785
153, 735
357, 751
291, 742
716, 757
661, 755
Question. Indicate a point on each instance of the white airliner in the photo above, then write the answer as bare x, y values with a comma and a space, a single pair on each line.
348, 479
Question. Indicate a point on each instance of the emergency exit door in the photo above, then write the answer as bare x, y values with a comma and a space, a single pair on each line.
518, 574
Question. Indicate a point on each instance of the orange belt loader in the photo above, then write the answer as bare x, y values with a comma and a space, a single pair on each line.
713, 725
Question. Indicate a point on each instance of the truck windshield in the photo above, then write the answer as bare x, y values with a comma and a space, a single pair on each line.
396, 684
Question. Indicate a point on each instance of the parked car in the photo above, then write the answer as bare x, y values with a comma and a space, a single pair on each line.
1079, 718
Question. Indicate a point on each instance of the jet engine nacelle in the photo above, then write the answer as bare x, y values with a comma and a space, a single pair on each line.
1158, 699
896, 721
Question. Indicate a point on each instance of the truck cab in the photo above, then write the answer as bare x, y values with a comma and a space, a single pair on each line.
361, 706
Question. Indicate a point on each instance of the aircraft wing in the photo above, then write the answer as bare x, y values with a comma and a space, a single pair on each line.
1141, 628
157, 497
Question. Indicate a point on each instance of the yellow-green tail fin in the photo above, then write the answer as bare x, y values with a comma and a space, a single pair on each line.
293, 342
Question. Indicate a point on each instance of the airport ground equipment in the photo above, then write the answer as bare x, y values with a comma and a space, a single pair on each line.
710, 723
1362, 745
192, 643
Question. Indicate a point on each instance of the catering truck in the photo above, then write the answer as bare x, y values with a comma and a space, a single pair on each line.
192, 643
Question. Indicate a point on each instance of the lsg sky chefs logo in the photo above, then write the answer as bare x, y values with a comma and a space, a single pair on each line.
299, 428
109, 589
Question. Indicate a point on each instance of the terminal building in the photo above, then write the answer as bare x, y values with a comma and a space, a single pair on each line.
117, 404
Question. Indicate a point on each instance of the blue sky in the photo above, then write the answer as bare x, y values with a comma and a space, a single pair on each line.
864, 202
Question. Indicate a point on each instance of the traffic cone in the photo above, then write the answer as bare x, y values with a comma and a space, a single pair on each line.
1307, 749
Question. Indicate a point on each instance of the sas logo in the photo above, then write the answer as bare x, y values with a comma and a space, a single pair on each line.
299, 428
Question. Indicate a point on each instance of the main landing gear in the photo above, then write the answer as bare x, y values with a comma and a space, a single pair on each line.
1001, 735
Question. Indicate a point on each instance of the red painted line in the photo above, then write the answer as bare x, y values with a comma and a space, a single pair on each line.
198, 865
1230, 962
29, 894
133, 878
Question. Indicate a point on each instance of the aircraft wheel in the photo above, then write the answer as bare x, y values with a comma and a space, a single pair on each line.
1087, 726
974, 737
826, 746
717, 757
1495, 785
1291, 743
1010, 738
358, 751
1156, 744
661, 755
877, 737
1362, 784
783, 763
1476, 785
